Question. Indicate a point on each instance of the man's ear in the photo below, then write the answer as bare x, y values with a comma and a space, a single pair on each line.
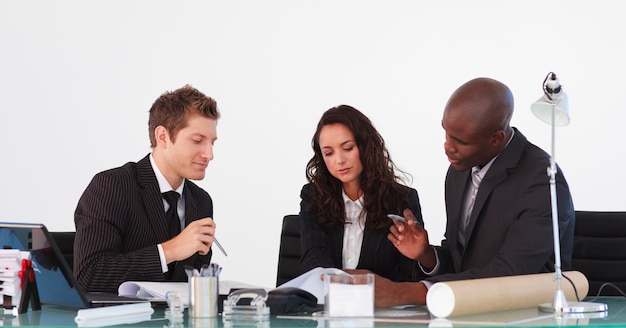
497, 137
161, 135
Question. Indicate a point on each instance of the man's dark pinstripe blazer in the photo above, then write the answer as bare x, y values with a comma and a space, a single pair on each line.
120, 219
323, 247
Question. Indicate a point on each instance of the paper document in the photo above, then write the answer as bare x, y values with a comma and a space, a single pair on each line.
312, 282
10, 282
157, 290
153, 290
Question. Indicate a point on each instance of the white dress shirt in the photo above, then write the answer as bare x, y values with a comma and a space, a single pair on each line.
353, 232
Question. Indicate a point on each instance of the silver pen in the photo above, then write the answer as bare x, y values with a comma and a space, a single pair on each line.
219, 246
400, 218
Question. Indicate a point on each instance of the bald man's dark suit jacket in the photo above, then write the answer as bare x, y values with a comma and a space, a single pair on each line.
323, 247
510, 229
120, 219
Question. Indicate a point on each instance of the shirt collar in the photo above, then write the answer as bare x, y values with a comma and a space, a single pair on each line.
164, 186
482, 170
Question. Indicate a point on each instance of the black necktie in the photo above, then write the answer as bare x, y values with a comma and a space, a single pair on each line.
173, 221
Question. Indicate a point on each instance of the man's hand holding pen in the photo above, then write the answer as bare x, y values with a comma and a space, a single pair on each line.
410, 239
198, 236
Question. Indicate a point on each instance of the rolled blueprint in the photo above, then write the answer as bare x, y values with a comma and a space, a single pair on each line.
453, 298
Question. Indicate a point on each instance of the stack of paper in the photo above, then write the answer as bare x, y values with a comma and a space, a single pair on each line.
313, 282
10, 265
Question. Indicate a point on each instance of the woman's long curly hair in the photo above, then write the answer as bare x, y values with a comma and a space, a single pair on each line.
382, 190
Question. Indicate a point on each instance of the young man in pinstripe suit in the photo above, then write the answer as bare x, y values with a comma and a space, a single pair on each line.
121, 228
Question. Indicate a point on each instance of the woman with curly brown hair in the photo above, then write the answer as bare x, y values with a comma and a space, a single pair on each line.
352, 187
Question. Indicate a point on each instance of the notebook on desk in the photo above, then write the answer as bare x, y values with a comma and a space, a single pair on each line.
56, 283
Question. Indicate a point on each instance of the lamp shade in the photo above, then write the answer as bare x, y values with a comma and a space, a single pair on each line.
542, 108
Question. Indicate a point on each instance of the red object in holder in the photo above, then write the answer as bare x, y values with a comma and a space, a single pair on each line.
27, 266
30, 293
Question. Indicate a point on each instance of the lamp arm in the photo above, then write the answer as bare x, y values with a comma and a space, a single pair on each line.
559, 302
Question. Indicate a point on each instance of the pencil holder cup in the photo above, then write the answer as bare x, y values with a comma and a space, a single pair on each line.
203, 295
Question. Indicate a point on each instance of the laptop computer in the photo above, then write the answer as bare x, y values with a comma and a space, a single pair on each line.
55, 281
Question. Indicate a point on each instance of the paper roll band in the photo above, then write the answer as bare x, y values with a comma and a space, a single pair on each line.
454, 298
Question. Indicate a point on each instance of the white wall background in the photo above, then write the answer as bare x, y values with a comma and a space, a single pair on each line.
78, 77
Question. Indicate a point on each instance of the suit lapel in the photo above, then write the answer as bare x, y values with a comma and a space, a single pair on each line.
191, 205
151, 199
337, 236
498, 172
369, 246
454, 203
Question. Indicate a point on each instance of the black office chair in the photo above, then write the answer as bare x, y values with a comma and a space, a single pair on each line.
289, 252
600, 250
65, 241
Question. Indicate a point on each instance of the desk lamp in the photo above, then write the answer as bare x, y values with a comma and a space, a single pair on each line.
553, 108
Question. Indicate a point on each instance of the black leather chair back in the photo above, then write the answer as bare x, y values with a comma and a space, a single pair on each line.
289, 251
600, 250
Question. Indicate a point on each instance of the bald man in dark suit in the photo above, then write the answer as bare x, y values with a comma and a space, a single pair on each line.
121, 229
497, 191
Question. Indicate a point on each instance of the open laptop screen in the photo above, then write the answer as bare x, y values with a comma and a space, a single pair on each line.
55, 281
